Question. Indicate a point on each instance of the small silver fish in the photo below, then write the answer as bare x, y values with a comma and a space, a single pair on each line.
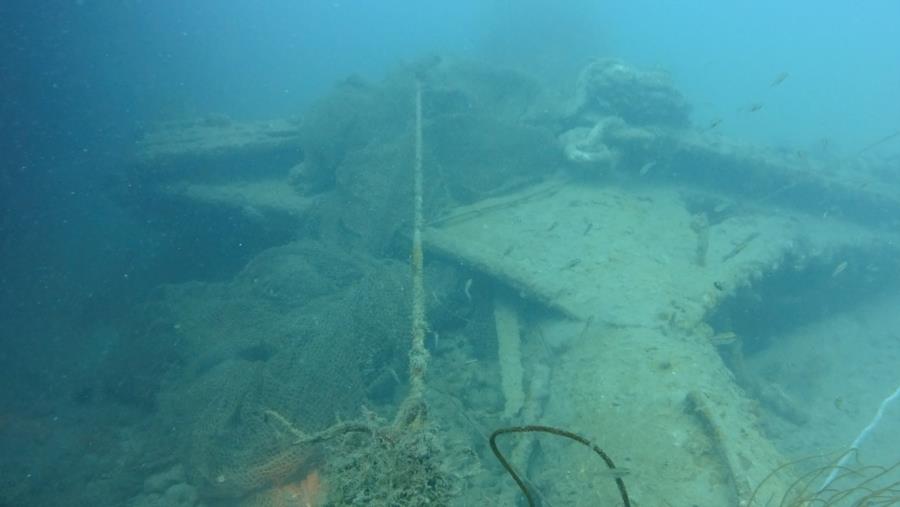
726, 338
839, 269
713, 124
571, 264
779, 79
615, 473
722, 206
646, 167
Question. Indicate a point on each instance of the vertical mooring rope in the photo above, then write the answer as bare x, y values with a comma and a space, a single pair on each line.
418, 355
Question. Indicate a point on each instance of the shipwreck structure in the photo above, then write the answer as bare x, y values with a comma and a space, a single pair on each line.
593, 261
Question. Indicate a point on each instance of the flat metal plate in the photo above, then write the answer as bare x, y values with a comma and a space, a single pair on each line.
626, 257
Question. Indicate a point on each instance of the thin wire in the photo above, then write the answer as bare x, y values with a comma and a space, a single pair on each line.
863, 435
623, 493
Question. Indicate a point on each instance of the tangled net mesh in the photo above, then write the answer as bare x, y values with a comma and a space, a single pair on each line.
282, 360
251, 362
